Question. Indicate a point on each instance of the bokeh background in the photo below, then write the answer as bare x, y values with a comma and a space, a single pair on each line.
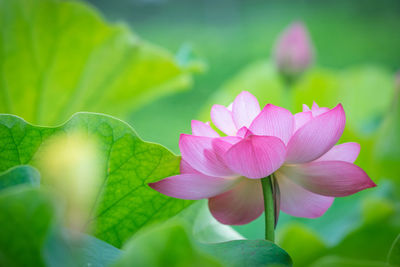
359, 39
230, 34
61, 57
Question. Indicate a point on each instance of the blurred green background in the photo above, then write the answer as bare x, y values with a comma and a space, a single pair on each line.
229, 34
74, 60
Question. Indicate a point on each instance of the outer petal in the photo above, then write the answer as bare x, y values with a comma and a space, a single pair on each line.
256, 156
301, 118
274, 121
316, 137
241, 205
193, 186
244, 132
344, 152
200, 128
299, 202
329, 178
185, 168
222, 118
244, 109
306, 108
199, 153
318, 111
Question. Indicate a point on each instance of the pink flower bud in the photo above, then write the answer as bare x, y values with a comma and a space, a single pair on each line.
397, 81
293, 51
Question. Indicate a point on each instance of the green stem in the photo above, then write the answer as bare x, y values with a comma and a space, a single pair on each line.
269, 208
288, 82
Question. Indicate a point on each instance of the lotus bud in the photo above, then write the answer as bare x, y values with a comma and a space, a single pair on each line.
293, 51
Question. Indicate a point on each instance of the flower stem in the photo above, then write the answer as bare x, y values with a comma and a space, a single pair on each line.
269, 208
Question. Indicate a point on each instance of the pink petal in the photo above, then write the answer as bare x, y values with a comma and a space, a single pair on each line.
274, 121
186, 168
244, 132
329, 178
301, 118
316, 110
222, 118
319, 111
299, 202
306, 108
316, 137
200, 128
245, 108
198, 152
241, 205
193, 186
256, 156
223, 144
344, 152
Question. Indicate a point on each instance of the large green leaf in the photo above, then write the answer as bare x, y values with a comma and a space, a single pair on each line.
19, 175
59, 57
65, 248
26, 219
125, 202
167, 245
248, 253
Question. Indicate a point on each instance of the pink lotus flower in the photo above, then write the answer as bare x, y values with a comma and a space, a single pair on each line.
293, 50
299, 150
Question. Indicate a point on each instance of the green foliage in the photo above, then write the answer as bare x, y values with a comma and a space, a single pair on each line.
334, 261
387, 148
310, 247
19, 175
394, 253
124, 202
60, 57
32, 234
21, 244
255, 253
167, 245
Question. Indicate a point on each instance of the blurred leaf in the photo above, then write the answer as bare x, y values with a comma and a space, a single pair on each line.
334, 261
254, 253
59, 57
394, 252
168, 245
86, 250
369, 242
19, 175
303, 245
387, 149
26, 219
205, 228
124, 203
32, 233
189, 60
377, 209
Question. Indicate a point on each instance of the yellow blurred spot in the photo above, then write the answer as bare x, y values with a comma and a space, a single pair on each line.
69, 163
